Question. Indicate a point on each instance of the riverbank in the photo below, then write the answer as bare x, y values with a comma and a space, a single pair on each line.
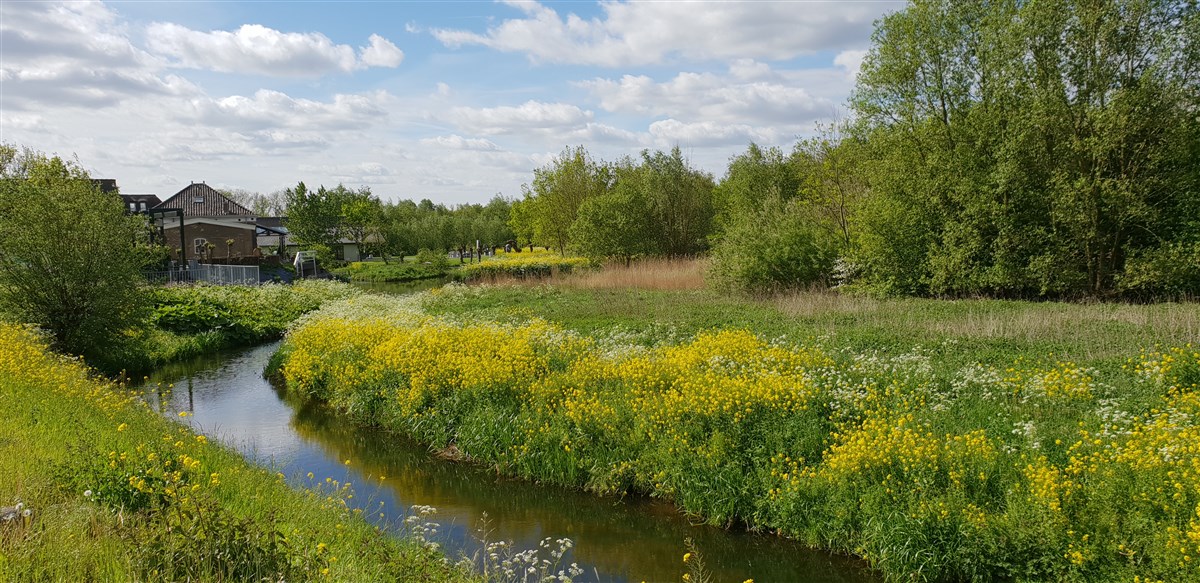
185, 321
946, 440
115, 492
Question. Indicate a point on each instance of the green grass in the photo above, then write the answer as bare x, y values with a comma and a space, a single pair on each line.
118, 493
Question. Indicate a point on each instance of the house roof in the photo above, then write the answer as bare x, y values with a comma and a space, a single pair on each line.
201, 200
151, 200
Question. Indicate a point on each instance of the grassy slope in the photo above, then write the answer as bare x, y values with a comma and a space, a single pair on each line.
59, 428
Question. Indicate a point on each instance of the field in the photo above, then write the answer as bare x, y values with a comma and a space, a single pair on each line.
938, 440
112, 491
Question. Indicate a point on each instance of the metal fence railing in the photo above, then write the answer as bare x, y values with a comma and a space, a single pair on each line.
217, 274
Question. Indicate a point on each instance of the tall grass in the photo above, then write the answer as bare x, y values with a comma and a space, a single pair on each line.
647, 274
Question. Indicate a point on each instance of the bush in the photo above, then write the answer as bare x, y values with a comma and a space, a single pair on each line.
433, 259
777, 247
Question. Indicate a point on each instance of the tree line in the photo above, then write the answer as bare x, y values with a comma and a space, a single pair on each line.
1003, 149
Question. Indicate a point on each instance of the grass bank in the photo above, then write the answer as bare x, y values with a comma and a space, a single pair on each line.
939, 440
189, 320
115, 492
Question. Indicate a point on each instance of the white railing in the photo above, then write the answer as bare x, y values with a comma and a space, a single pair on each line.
216, 274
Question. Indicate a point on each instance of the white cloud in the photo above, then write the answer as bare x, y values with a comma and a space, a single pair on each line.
457, 142
272, 109
713, 97
851, 61
354, 174
529, 116
256, 49
670, 132
381, 53
639, 33
74, 54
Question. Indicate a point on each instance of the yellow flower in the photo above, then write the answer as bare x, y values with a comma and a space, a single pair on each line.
686, 557
122, 427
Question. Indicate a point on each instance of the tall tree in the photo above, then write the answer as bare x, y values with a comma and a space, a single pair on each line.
552, 202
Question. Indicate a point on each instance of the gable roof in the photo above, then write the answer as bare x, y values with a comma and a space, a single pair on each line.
201, 200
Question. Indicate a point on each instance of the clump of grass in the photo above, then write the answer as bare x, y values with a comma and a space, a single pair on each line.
119, 493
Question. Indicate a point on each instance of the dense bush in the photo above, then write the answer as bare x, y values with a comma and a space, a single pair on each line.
377, 271
776, 247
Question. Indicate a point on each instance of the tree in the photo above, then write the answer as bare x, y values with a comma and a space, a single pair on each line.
1035, 145
70, 258
679, 201
559, 188
613, 226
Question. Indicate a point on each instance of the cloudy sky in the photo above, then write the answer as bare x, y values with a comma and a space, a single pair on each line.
451, 101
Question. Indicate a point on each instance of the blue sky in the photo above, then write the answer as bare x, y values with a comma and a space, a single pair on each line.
451, 101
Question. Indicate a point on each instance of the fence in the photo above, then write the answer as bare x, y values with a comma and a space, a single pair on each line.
217, 274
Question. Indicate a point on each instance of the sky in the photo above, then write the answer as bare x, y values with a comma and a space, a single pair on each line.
454, 101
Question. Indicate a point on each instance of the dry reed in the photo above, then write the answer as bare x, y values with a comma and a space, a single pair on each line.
648, 274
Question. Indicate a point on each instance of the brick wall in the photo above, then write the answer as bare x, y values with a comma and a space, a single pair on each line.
244, 244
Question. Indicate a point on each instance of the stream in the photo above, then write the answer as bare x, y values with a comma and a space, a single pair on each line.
616, 539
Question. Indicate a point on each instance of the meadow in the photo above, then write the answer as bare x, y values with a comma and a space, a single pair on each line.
112, 491
968, 440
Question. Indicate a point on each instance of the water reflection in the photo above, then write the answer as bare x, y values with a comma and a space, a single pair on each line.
616, 539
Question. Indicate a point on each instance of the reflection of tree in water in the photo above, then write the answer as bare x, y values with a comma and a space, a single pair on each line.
633, 537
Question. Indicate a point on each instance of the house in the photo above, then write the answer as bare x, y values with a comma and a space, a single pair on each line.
202, 224
272, 235
140, 203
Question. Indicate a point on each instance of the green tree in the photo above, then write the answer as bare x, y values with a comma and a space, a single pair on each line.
1038, 145
612, 226
70, 258
679, 201
552, 202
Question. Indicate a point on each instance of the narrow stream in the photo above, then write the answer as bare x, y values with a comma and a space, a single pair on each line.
631, 539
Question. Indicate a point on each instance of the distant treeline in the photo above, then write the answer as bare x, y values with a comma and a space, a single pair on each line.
1007, 149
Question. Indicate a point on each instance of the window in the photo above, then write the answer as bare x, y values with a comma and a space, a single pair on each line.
142, 206
132, 207
198, 200
201, 246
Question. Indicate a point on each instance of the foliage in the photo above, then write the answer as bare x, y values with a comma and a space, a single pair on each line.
120, 493
433, 260
191, 320
70, 259
1171, 271
612, 226
552, 202
1035, 146
1042, 469
779, 246
539, 263
384, 272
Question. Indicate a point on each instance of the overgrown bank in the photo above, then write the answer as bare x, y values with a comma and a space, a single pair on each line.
187, 321
920, 460
116, 492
